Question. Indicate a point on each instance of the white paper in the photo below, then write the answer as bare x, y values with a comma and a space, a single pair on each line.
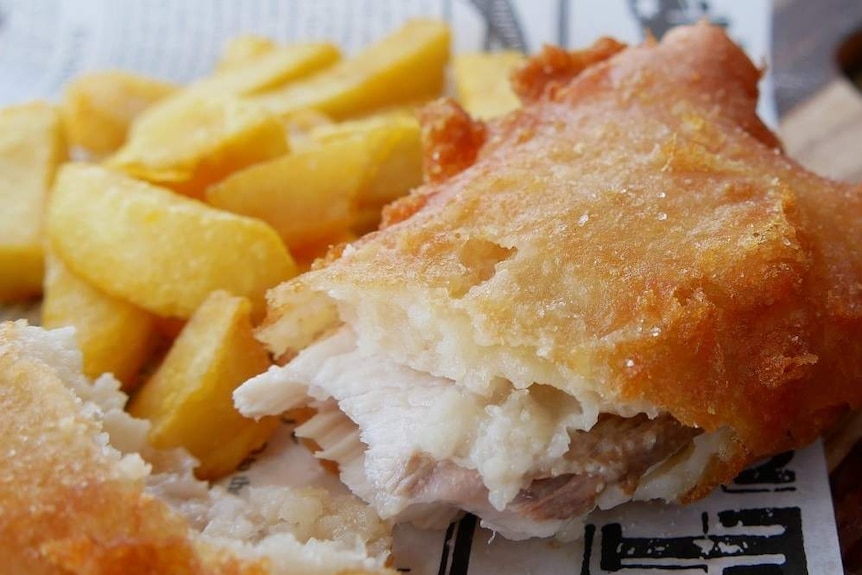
780, 519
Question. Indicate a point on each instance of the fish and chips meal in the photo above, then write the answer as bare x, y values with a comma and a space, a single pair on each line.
580, 279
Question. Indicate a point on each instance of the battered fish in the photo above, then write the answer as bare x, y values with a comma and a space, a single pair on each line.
623, 290
77, 496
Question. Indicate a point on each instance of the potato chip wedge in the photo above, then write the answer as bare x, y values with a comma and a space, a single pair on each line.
242, 49
482, 82
113, 335
98, 108
270, 69
307, 196
189, 143
300, 125
395, 143
189, 399
405, 66
31, 148
156, 249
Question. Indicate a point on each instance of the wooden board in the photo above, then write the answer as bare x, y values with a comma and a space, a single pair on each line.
821, 109
817, 49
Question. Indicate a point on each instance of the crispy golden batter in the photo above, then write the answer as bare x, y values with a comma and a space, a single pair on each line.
639, 227
451, 139
67, 506
71, 505
554, 67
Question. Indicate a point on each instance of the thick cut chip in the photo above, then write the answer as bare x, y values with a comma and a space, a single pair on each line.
188, 398
242, 49
482, 82
301, 125
406, 66
395, 142
98, 108
205, 132
113, 335
306, 196
31, 148
191, 142
268, 70
161, 251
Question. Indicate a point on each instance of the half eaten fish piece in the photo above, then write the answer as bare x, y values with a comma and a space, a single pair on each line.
621, 291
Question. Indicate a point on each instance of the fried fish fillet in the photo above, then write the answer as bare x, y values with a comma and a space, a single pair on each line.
77, 496
623, 290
